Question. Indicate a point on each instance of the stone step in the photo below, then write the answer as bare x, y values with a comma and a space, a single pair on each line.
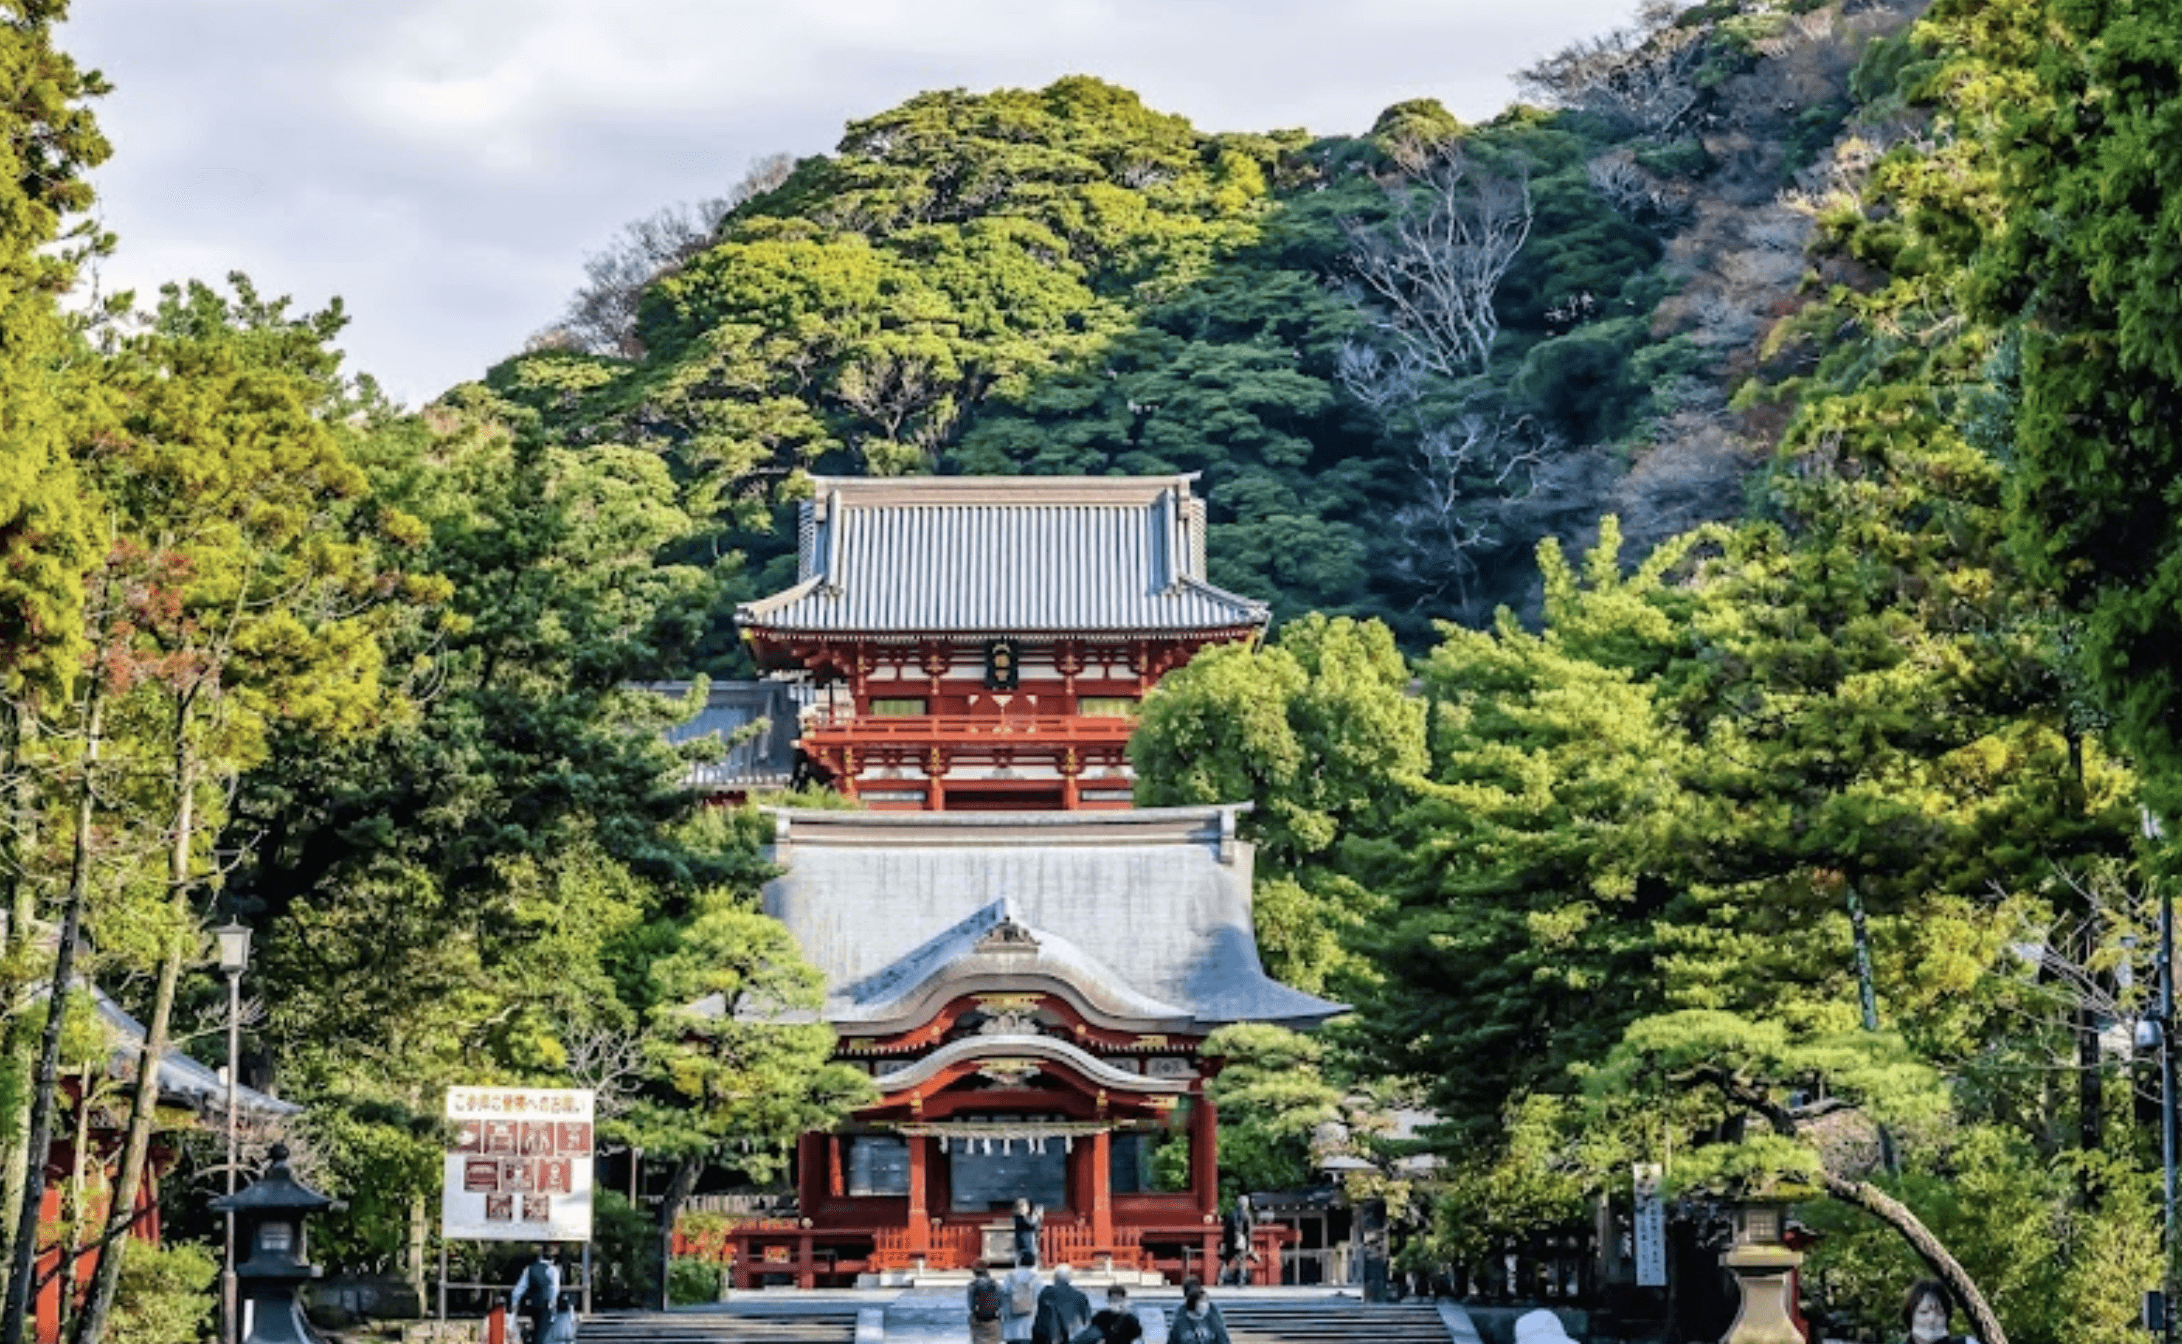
650, 1327
1343, 1319
1250, 1321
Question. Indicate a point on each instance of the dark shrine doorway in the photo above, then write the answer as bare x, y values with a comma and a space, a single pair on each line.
988, 1176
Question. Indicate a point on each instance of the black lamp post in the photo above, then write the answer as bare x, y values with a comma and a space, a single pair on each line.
233, 938
2159, 1032
271, 1214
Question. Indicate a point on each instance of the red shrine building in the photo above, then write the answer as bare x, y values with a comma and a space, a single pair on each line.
1025, 965
981, 643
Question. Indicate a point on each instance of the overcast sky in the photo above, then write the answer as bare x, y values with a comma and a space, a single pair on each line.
446, 165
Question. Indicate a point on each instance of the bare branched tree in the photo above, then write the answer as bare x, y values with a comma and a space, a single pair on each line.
601, 317
609, 1061
1468, 474
1384, 382
1433, 267
1641, 79
1635, 193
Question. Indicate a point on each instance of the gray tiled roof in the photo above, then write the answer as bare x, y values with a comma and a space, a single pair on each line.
1146, 911
766, 759
180, 1077
1002, 555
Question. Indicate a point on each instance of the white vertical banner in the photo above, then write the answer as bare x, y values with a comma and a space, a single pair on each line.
521, 1165
1650, 1223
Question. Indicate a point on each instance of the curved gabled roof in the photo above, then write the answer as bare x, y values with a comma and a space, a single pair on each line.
1002, 555
1044, 1049
1144, 914
996, 945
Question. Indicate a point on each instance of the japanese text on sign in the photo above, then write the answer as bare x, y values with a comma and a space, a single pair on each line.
521, 1165
1650, 1227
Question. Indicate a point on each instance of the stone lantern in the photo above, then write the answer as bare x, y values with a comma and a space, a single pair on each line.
269, 1216
1765, 1275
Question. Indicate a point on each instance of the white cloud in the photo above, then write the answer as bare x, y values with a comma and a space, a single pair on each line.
445, 164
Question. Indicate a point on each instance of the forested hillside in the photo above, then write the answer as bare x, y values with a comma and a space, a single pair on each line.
1399, 359
1719, 514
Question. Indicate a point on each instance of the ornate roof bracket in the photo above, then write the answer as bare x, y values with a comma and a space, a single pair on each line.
989, 1052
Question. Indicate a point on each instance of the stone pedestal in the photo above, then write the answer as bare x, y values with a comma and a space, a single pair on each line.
1765, 1277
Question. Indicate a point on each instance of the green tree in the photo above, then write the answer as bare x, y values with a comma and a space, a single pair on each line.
258, 603
1317, 732
747, 1067
1272, 1100
49, 141
2085, 151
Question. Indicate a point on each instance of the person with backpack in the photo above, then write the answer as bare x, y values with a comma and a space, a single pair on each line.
1023, 1285
985, 1301
536, 1293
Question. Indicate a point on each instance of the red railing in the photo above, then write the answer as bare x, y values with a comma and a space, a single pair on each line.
1100, 729
944, 1248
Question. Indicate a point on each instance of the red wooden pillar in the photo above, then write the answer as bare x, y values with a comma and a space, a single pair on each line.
836, 1166
935, 776
920, 1220
810, 1173
1102, 1191
1204, 1153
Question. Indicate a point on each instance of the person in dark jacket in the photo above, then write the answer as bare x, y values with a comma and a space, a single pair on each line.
1117, 1324
1235, 1230
1198, 1321
1063, 1310
537, 1291
1029, 1221
987, 1301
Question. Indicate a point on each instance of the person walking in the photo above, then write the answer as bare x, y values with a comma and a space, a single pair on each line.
536, 1293
1020, 1308
1235, 1231
1198, 1321
1063, 1310
985, 1302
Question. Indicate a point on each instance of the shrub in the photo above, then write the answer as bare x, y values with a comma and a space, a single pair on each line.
165, 1294
690, 1281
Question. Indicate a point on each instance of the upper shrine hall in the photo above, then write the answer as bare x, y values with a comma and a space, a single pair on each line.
982, 643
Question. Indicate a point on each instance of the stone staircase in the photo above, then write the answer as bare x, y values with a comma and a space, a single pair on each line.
756, 1324
1289, 1321
1251, 1319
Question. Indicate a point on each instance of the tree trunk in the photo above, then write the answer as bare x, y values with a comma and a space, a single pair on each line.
24, 1251
19, 837
1872, 1200
76, 1213
679, 1187
135, 1152
419, 1230
144, 1104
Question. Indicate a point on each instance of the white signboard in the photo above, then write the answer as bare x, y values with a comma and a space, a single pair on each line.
521, 1165
1651, 1228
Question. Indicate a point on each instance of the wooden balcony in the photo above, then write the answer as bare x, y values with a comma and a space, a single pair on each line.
965, 730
